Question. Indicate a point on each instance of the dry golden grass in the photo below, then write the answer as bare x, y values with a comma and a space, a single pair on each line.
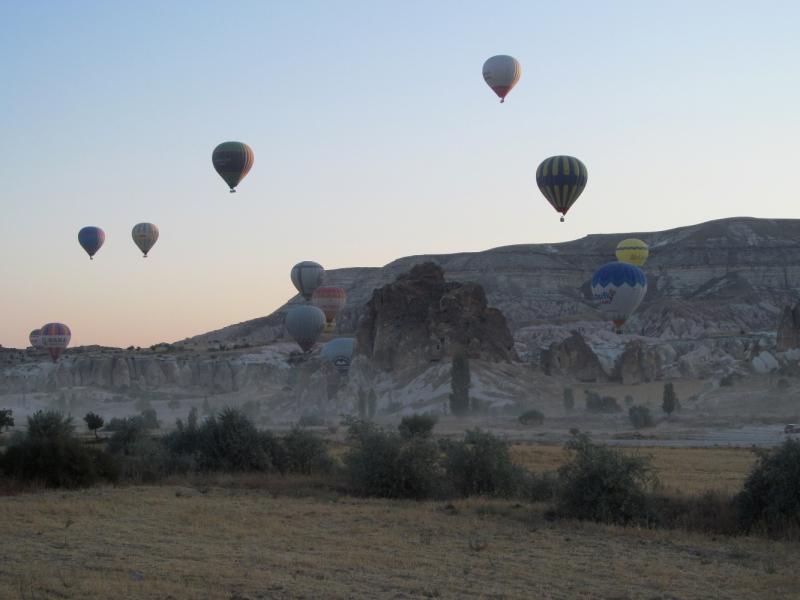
255, 536
681, 470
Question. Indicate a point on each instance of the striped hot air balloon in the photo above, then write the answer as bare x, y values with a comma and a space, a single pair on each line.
339, 352
305, 325
145, 235
55, 338
307, 276
232, 160
91, 239
35, 338
561, 179
501, 73
618, 288
330, 300
633, 251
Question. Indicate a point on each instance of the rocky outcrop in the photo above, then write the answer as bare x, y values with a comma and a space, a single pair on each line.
422, 318
574, 358
638, 363
789, 328
314, 383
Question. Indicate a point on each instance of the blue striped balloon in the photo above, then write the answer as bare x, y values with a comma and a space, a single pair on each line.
305, 325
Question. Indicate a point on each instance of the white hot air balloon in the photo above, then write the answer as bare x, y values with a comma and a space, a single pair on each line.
502, 73
618, 288
307, 276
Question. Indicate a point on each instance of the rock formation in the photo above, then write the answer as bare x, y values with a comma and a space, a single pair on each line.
789, 328
422, 318
638, 363
572, 357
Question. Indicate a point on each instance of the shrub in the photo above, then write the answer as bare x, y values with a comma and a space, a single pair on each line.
381, 463
601, 483
252, 408
771, 493
606, 404
146, 460
306, 452
569, 399
174, 404
394, 407
126, 432
6, 420
49, 425
417, 425
311, 419
150, 419
93, 422
782, 384
640, 417
669, 401
230, 441
531, 416
58, 462
480, 464
726, 381
628, 400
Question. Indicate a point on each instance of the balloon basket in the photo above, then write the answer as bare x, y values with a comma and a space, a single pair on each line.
233, 191
562, 219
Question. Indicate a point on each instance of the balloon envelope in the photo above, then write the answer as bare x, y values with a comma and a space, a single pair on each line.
36, 339
633, 251
232, 160
340, 353
91, 239
330, 300
307, 276
561, 179
501, 73
305, 325
54, 338
618, 288
145, 235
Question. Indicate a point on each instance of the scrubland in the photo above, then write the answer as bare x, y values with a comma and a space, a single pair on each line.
270, 536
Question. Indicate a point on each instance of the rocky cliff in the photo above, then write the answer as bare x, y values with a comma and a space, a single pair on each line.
719, 277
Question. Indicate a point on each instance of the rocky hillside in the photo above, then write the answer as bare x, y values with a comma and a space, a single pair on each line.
723, 276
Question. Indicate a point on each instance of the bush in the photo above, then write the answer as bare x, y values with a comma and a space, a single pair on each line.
312, 419
726, 381
381, 463
782, 384
531, 416
6, 420
481, 465
230, 441
306, 452
150, 419
127, 431
417, 425
49, 425
600, 483
606, 404
771, 493
58, 462
93, 422
640, 417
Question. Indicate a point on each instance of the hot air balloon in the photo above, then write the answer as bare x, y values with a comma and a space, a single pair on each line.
36, 339
618, 288
339, 352
55, 338
145, 235
329, 328
305, 325
91, 238
232, 160
633, 251
330, 300
306, 277
561, 179
502, 73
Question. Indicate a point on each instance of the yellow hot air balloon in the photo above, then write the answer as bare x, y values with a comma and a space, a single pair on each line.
632, 251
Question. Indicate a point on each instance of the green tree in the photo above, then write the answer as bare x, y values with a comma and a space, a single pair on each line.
670, 400
93, 422
174, 404
362, 403
629, 400
206, 406
569, 399
6, 420
191, 420
372, 402
460, 384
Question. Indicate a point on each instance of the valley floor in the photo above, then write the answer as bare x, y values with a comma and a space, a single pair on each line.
256, 536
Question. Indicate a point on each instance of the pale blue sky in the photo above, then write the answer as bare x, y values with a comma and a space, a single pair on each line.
374, 136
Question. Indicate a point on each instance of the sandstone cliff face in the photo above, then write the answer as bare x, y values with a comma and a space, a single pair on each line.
572, 357
422, 318
638, 363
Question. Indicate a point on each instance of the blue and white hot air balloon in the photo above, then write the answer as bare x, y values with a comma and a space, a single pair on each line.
339, 352
618, 288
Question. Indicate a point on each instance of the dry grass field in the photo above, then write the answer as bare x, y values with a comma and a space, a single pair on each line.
270, 537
